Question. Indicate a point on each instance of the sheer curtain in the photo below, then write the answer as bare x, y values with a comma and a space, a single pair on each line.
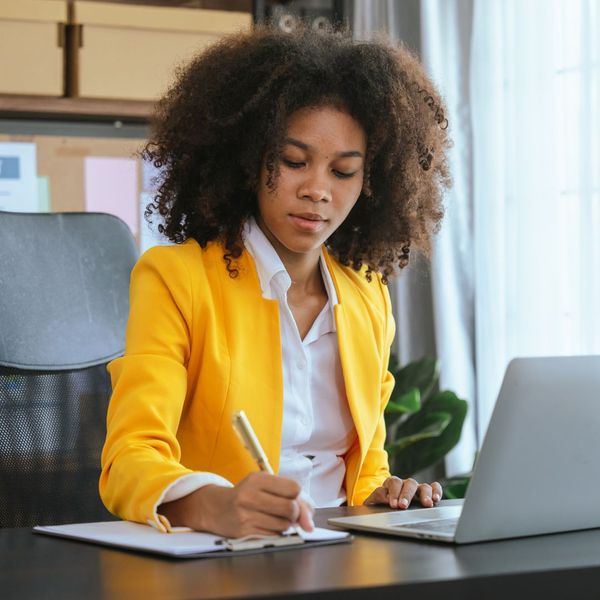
527, 157
535, 98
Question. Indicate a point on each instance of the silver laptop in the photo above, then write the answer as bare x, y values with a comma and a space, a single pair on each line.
538, 469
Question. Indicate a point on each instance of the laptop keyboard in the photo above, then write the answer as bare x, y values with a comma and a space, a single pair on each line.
434, 526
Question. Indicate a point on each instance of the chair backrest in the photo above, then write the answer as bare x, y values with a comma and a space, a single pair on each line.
64, 285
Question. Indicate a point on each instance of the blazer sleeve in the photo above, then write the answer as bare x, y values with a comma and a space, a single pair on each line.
375, 468
141, 455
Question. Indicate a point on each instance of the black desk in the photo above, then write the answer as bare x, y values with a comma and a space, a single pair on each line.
557, 566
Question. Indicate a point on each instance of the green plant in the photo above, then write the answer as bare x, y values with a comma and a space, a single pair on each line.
456, 487
423, 424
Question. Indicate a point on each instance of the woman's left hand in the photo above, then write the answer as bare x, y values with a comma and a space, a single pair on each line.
399, 493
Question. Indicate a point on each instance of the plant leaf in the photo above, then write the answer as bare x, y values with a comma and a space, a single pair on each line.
409, 402
456, 487
437, 424
422, 374
428, 450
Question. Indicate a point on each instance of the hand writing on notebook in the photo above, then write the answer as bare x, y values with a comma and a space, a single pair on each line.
399, 493
260, 503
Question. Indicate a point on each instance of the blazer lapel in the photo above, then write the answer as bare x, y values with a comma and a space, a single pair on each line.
358, 355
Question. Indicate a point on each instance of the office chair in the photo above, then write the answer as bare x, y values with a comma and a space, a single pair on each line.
64, 286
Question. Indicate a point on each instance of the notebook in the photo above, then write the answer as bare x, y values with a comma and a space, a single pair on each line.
134, 536
536, 472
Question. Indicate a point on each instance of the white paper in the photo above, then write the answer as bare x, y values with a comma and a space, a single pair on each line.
319, 535
111, 186
143, 537
18, 177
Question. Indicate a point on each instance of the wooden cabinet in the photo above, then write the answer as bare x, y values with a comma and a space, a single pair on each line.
101, 61
132, 52
32, 38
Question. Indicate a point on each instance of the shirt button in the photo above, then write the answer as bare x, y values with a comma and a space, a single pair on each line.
301, 365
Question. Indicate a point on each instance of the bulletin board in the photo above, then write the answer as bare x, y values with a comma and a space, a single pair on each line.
74, 174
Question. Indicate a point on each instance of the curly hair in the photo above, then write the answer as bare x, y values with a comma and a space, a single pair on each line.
227, 112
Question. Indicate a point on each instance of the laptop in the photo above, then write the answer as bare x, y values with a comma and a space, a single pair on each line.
537, 471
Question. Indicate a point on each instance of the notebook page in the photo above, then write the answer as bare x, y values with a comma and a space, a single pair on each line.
143, 537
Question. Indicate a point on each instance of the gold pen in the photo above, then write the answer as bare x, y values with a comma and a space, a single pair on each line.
242, 427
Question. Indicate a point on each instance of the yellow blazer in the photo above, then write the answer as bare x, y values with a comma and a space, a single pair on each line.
201, 345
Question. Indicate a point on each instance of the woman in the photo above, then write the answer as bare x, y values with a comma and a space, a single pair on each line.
297, 172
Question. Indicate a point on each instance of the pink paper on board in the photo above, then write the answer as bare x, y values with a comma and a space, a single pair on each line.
111, 186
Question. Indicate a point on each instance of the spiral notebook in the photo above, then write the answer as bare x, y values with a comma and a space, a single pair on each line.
134, 536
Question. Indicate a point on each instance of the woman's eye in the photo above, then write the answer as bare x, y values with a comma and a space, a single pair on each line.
292, 164
343, 175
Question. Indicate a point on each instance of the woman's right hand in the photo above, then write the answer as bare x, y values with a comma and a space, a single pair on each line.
259, 504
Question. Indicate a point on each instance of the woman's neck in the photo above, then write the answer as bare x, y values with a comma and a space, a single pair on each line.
305, 274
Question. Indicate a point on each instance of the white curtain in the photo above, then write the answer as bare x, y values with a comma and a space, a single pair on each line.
527, 134
369, 16
536, 100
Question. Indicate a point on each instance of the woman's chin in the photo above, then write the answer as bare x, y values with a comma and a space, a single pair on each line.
297, 246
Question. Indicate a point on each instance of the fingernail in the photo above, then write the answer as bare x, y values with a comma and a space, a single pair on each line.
436, 497
404, 502
394, 502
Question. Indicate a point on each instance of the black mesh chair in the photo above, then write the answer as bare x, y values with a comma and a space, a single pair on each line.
64, 281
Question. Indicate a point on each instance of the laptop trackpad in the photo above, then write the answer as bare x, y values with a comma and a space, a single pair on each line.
419, 515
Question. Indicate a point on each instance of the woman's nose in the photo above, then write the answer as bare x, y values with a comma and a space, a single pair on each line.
315, 188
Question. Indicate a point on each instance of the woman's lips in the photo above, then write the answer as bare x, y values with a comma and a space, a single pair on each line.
308, 222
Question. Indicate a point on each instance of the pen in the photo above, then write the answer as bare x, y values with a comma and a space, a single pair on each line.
242, 427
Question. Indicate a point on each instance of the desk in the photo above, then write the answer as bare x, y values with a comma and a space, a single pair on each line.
557, 566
